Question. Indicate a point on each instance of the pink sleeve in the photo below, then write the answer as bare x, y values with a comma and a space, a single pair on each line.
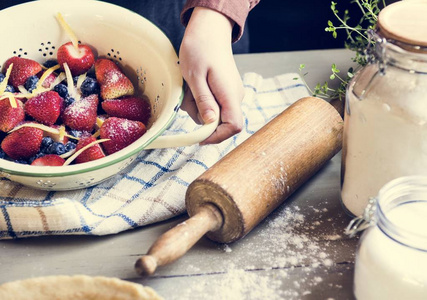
237, 10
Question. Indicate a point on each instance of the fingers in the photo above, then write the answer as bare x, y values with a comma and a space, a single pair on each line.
231, 113
204, 95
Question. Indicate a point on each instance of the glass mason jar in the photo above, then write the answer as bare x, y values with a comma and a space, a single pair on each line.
391, 260
385, 122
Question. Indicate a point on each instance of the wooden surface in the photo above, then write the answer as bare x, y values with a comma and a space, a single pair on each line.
298, 252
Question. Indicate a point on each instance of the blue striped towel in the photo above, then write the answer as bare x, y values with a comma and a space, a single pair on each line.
153, 189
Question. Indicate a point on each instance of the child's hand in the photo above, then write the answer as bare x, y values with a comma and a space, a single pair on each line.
215, 88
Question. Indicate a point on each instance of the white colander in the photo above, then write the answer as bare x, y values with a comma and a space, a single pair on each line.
146, 55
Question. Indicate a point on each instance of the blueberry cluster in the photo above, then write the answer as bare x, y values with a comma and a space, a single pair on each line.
48, 146
31, 83
9, 88
88, 87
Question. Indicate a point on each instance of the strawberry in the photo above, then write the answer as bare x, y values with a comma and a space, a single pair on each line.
9, 116
79, 61
113, 83
45, 107
121, 132
23, 143
92, 153
21, 70
49, 80
129, 107
81, 114
48, 160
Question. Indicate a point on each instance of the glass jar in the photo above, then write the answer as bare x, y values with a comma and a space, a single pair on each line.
391, 260
385, 122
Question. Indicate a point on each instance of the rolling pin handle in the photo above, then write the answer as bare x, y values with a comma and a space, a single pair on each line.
146, 265
177, 241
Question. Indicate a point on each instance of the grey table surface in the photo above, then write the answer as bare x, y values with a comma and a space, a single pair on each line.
298, 252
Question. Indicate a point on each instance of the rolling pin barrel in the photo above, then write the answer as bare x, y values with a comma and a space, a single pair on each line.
240, 190
257, 176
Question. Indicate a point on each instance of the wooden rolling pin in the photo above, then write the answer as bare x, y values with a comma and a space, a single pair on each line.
239, 191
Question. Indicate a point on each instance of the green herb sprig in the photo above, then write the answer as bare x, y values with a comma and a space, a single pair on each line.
357, 41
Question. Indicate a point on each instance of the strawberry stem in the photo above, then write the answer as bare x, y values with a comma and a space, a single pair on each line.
69, 31
3, 86
70, 83
11, 98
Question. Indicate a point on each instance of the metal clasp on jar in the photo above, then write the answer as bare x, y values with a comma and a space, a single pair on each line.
364, 221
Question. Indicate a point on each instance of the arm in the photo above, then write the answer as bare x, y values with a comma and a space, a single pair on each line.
208, 67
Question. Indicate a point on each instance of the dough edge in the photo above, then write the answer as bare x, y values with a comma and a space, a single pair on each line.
76, 287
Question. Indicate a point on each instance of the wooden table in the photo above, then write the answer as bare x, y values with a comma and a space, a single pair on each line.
299, 252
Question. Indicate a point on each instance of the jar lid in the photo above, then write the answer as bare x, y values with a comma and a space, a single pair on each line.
405, 21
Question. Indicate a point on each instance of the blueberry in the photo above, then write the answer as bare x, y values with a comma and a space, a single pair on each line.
21, 161
69, 100
75, 78
46, 142
56, 148
70, 146
89, 86
38, 155
62, 90
75, 133
2, 77
91, 73
2, 154
10, 89
31, 83
50, 63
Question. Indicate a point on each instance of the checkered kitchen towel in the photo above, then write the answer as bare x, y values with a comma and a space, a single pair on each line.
152, 190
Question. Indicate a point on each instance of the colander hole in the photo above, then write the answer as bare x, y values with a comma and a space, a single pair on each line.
20, 52
114, 54
46, 48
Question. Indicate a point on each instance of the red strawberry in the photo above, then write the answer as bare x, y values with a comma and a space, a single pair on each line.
113, 83
92, 153
21, 70
45, 107
129, 107
23, 143
81, 114
79, 61
49, 80
48, 160
121, 132
9, 116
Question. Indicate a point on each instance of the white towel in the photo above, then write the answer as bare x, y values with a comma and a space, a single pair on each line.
153, 189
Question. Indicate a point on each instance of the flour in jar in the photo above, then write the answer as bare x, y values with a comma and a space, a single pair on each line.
386, 269
385, 136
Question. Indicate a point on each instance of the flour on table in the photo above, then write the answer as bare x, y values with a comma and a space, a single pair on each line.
288, 247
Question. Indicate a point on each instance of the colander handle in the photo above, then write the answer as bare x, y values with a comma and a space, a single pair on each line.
187, 139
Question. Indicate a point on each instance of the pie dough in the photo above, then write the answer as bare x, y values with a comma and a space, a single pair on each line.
78, 287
